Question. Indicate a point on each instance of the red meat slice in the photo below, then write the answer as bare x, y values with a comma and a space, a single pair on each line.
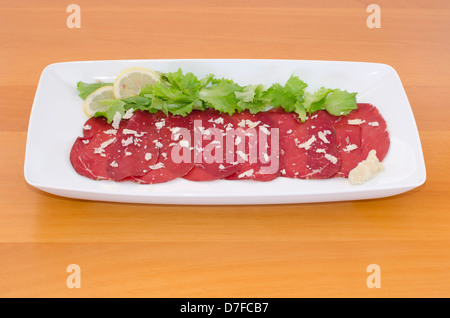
349, 144
209, 146
260, 151
136, 149
323, 160
291, 129
374, 134
364, 128
90, 153
175, 159
309, 150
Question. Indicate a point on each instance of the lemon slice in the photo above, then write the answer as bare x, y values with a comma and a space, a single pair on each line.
92, 105
132, 81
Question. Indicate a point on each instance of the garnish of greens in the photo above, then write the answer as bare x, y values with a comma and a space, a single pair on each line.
179, 94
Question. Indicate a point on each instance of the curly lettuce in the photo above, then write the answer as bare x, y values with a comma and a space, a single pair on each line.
179, 93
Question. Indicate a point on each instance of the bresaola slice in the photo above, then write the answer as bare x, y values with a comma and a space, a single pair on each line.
323, 159
309, 149
348, 138
291, 130
175, 151
374, 134
210, 151
90, 154
359, 132
137, 147
257, 147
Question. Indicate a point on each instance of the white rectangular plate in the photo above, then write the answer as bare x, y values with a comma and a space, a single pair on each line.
57, 118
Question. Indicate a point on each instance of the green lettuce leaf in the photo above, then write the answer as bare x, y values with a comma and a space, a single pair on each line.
334, 101
248, 93
253, 98
85, 89
340, 103
187, 84
295, 86
279, 98
289, 97
314, 102
137, 102
147, 91
300, 110
206, 80
114, 106
177, 93
222, 96
159, 104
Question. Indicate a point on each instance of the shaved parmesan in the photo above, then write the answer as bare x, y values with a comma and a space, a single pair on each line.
307, 144
116, 120
128, 114
356, 121
366, 169
331, 158
247, 173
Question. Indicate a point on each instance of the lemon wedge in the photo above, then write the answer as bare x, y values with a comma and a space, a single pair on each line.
92, 105
132, 81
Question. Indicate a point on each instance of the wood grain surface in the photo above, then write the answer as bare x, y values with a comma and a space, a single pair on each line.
304, 250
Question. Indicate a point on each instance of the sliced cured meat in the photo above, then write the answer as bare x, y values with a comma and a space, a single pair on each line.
323, 160
176, 154
257, 147
208, 145
374, 134
137, 147
90, 153
291, 129
348, 138
210, 151
359, 132
309, 149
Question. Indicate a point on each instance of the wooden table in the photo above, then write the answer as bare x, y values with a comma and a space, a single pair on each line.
304, 250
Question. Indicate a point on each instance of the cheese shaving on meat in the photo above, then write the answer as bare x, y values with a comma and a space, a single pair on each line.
247, 173
114, 164
160, 124
349, 148
110, 132
128, 114
128, 141
116, 120
148, 156
264, 130
331, 158
356, 121
307, 144
105, 144
322, 136
159, 165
